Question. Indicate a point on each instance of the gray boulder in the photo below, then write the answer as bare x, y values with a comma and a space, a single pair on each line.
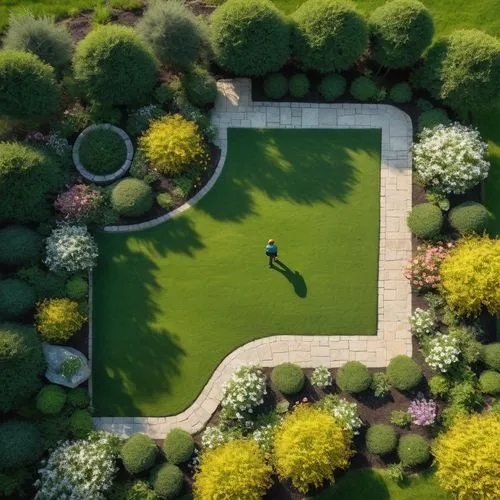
55, 355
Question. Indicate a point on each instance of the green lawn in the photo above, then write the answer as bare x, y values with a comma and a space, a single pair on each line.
171, 302
373, 484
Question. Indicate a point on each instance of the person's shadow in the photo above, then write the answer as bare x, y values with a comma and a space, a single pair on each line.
294, 277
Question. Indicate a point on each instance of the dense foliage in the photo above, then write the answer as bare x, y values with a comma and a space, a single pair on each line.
413, 450
138, 453
489, 382
328, 35
167, 481
57, 320
299, 85
363, 88
332, 86
490, 355
20, 444
200, 86
401, 93
354, 377
178, 446
19, 245
102, 151
80, 204
50, 400
469, 217
381, 439
17, 298
404, 374
131, 197
275, 85
425, 221
288, 378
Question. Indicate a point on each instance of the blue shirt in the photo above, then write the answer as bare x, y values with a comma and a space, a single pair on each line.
271, 248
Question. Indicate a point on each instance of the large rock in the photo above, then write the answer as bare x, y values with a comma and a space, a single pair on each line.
55, 355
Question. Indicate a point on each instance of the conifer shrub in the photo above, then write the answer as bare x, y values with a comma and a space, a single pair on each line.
354, 377
332, 86
20, 444
288, 378
469, 217
19, 245
131, 197
275, 86
200, 87
381, 439
17, 298
404, 374
138, 453
413, 450
425, 221
178, 446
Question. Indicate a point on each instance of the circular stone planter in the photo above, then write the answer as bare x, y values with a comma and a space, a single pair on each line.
113, 175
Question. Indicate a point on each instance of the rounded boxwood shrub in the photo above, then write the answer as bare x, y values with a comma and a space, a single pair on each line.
404, 374
381, 439
354, 377
288, 378
432, 117
328, 35
363, 89
167, 481
41, 36
20, 444
38, 96
16, 298
28, 176
400, 32
250, 37
51, 399
490, 355
489, 382
401, 93
413, 450
77, 288
115, 66
19, 245
80, 424
332, 86
275, 86
174, 32
425, 221
138, 453
178, 446
299, 85
200, 87
132, 197
78, 397
469, 217
463, 70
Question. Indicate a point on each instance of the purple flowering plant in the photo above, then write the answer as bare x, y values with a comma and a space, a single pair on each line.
423, 411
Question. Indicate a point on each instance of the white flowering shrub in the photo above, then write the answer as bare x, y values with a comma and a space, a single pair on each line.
344, 411
70, 248
264, 437
442, 352
58, 144
321, 377
243, 392
217, 435
79, 470
422, 322
450, 159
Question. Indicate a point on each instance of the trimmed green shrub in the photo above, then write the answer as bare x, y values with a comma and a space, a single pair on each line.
363, 89
200, 87
77, 288
20, 444
275, 86
19, 245
439, 385
28, 177
78, 398
490, 355
22, 364
16, 298
47, 285
299, 85
167, 481
138, 453
178, 446
332, 86
354, 377
401, 93
489, 382
115, 66
250, 37
469, 217
165, 200
136, 490
413, 450
80, 424
37, 98
432, 118
381, 439
328, 35
404, 374
288, 378
463, 70
132, 197
174, 32
51, 399
425, 221
400, 32
42, 36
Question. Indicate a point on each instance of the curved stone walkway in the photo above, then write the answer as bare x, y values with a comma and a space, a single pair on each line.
234, 108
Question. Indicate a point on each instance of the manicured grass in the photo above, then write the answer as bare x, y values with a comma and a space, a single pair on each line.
361, 484
102, 151
171, 302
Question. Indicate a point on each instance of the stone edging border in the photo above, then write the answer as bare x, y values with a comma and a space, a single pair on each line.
234, 108
102, 179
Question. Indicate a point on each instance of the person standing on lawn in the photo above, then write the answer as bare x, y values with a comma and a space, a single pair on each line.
272, 252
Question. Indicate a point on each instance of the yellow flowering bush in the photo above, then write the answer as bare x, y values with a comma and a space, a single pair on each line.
172, 144
468, 463
237, 469
57, 320
309, 446
470, 276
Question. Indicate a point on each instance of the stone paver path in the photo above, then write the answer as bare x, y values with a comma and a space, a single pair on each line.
234, 108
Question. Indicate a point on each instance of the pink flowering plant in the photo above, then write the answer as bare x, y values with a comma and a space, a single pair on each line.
423, 411
423, 269
80, 203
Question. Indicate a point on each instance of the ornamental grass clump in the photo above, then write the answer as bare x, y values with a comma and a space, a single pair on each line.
451, 159
80, 204
423, 411
345, 412
442, 351
57, 320
70, 248
422, 322
321, 377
